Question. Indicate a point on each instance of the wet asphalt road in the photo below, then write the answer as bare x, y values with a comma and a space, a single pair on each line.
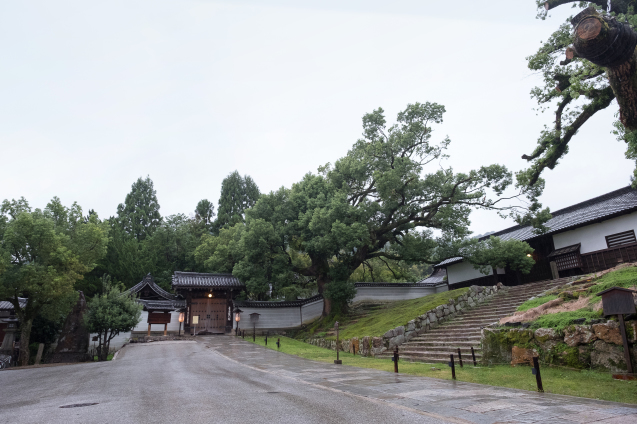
180, 382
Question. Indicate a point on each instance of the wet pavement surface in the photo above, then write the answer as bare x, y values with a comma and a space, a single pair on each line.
442, 399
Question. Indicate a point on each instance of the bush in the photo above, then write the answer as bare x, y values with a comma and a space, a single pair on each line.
561, 320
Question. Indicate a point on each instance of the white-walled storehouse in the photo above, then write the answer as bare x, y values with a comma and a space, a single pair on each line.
590, 236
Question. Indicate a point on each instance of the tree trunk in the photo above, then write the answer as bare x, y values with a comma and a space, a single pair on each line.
611, 44
25, 334
322, 281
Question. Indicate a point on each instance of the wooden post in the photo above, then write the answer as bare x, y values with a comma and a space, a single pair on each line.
554, 272
538, 377
460, 357
622, 329
165, 329
38, 357
453, 366
148, 330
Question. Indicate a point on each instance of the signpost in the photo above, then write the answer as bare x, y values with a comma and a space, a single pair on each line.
619, 301
337, 361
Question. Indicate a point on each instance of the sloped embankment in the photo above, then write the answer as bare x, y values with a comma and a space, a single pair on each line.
565, 326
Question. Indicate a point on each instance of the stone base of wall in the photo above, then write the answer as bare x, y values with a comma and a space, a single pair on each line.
372, 346
598, 346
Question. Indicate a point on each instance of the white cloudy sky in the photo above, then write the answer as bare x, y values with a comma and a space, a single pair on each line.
95, 94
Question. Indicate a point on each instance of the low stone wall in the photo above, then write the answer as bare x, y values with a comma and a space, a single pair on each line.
372, 346
596, 346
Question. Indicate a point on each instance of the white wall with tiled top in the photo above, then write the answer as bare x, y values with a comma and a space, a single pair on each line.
592, 237
464, 271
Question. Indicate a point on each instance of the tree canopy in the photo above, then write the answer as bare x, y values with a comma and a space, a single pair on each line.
44, 252
378, 201
139, 214
237, 194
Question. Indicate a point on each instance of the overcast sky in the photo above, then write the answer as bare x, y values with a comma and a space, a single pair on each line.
94, 95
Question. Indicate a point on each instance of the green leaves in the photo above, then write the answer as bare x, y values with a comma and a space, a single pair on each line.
496, 253
139, 214
237, 194
109, 314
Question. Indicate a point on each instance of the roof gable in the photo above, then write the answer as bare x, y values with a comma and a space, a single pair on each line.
148, 289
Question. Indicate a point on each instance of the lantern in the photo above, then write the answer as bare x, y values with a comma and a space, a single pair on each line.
237, 318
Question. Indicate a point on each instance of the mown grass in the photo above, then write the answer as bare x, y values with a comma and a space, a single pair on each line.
588, 384
533, 303
376, 324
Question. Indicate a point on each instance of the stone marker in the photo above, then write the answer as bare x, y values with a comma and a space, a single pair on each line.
38, 357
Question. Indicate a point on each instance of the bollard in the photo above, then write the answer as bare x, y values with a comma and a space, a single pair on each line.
453, 367
266, 339
395, 359
473, 354
536, 372
460, 358
278, 343
254, 333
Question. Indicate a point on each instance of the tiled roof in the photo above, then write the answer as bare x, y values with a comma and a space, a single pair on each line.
5, 305
203, 280
149, 281
436, 278
288, 304
449, 261
162, 305
599, 208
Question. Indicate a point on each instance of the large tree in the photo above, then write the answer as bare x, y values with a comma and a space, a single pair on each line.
384, 199
44, 252
139, 214
237, 194
586, 64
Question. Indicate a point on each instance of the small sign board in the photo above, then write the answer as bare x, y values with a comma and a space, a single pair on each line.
617, 301
195, 319
162, 318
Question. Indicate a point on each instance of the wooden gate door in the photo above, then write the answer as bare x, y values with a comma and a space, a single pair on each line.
200, 308
218, 316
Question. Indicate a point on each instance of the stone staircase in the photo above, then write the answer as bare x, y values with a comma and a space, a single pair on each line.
464, 331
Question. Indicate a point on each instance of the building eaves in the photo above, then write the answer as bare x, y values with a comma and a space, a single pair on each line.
205, 280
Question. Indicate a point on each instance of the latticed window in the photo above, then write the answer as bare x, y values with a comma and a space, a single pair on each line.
627, 237
567, 257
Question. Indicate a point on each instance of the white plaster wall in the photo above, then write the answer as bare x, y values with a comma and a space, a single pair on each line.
118, 341
463, 271
593, 236
280, 318
395, 293
172, 326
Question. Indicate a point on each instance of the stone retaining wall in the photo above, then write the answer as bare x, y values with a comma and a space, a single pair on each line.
372, 346
597, 346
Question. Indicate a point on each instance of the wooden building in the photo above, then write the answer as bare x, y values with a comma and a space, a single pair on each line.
161, 309
209, 297
587, 237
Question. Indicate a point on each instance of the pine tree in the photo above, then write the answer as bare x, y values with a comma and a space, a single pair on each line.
139, 214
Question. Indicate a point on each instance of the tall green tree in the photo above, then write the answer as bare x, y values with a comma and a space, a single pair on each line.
139, 214
237, 194
205, 211
378, 201
109, 314
43, 254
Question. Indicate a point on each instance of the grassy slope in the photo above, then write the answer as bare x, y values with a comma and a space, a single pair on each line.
625, 277
392, 315
588, 384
